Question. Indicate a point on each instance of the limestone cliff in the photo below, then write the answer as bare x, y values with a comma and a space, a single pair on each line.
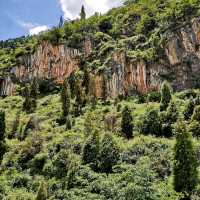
48, 62
180, 65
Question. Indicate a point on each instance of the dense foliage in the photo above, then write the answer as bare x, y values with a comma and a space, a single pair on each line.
63, 143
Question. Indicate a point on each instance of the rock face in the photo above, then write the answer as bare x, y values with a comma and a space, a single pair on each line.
180, 65
48, 62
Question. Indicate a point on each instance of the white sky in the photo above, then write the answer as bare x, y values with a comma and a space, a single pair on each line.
71, 8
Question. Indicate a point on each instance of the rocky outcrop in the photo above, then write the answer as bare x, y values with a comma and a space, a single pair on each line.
180, 65
48, 62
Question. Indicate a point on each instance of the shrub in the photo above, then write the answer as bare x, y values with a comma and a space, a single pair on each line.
194, 128
31, 147
196, 114
37, 163
61, 163
15, 126
146, 25
127, 123
154, 96
189, 109
42, 192
27, 104
185, 161
2, 135
105, 25
20, 181
91, 151
172, 113
151, 123
108, 155
165, 96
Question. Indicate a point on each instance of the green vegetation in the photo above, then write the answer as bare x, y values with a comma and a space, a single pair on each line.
2, 135
92, 159
127, 123
165, 96
185, 162
67, 144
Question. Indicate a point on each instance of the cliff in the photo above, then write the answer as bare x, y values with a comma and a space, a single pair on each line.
180, 65
48, 62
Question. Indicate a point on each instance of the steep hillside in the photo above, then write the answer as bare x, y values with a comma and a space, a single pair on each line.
104, 108
132, 48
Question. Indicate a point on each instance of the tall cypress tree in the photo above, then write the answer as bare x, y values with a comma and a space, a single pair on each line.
127, 123
165, 96
185, 161
65, 99
27, 104
34, 92
83, 14
2, 135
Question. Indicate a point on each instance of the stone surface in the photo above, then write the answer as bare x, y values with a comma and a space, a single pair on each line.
180, 65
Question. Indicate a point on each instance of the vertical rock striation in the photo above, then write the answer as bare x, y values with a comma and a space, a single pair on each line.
180, 65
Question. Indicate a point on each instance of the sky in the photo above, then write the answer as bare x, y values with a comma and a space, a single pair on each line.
29, 17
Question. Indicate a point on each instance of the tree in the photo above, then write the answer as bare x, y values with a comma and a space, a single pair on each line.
189, 109
61, 22
165, 96
172, 113
151, 123
42, 192
127, 123
91, 150
83, 14
15, 126
185, 161
168, 118
2, 135
65, 99
108, 155
79, 99
34, 91
104, 89
68, 123
27, 104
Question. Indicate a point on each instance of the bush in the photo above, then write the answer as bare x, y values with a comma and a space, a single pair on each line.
154, 96
196, 114
146, 25
185, 161
61, 163
165, 96
194, 128
42, 192
151, 123
30, 148
127, 123
37, 163
189, 109
108, 155
105, 25
2, 135
91, 151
